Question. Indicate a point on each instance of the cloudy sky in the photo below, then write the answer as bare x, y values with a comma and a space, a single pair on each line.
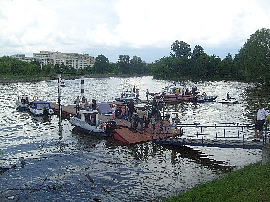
145, 28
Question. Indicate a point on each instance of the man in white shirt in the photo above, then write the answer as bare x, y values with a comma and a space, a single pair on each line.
259, 121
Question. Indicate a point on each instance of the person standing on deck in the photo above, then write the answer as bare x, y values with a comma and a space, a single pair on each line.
147, 95
153, 122
113, 110
259, 121
131, 109
77, 102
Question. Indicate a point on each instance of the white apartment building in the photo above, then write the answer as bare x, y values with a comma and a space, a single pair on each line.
22, 57
75, 60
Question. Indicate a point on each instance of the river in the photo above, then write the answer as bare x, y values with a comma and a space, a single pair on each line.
50, 161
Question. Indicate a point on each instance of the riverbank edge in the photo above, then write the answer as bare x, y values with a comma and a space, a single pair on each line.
251, 183
70, 77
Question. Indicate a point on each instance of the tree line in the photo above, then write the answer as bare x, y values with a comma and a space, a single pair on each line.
251, 64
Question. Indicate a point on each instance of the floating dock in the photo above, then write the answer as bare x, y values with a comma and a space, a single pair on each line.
129, 136
177, 142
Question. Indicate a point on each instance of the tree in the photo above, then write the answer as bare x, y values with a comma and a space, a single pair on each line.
123, 64
102, 64
197, 52
253, 59
181, 49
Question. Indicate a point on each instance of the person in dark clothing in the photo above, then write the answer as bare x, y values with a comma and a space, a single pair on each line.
131, 109
94, 104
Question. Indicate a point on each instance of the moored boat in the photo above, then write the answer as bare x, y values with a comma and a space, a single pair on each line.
202, 99
23, 102
40, 108
126, 96
229, 101
62, 83
88, 122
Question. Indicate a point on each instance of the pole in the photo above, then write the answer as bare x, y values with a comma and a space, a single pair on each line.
59, 105
82, 86
59, 94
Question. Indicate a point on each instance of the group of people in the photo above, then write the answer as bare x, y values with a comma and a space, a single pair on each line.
85, 104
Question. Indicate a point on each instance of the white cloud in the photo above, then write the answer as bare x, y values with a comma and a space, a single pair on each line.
93, 25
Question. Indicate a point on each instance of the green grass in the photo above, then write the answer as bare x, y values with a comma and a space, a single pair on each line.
252, 183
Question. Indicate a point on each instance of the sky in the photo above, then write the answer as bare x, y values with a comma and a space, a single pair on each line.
144, 28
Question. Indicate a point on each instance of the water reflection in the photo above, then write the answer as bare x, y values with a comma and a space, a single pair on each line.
62, 163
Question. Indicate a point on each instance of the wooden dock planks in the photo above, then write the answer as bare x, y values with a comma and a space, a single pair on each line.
126, 135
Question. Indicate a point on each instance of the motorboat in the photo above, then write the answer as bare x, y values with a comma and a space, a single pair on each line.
88, 122
127, 96
202, 99
228, 101
40, 108
23, 102
62, 83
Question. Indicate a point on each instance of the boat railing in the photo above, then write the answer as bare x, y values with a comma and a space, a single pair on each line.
224, 131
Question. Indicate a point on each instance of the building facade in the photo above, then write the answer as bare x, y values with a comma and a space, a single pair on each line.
75, 60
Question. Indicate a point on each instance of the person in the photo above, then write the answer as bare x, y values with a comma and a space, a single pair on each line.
86, 104
177, 91
259, 121
94, 104
131, 109
145, 120
176, 119
153, 122
113, 111
147, 94
77, 103
183, 92
140, 120
228, 96
137, 95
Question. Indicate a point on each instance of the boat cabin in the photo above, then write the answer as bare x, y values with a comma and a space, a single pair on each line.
90, 117
40, 108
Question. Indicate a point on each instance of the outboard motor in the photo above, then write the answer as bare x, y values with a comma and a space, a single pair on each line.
110, 127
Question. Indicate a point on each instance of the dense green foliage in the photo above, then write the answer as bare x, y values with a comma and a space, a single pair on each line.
251, 183
251, 64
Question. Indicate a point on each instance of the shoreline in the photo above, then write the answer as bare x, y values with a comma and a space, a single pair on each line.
44, 78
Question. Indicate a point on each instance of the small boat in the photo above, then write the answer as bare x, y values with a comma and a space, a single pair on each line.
23, 102
202, 99
40, 108
229, 101
62, 83
126, 97
88, 121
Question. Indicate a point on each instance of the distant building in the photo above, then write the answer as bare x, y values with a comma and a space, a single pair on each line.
22, 57
75, 60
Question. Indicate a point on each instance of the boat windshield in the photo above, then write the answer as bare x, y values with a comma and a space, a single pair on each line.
43, 106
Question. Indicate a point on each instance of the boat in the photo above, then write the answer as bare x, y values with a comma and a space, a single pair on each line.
88, 122
62, 83
40, 108
202, 99
229, 101
23, 102
126, 96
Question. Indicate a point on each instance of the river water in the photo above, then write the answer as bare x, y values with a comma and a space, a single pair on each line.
50, 161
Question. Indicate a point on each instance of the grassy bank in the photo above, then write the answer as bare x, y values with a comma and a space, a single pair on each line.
252, 183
